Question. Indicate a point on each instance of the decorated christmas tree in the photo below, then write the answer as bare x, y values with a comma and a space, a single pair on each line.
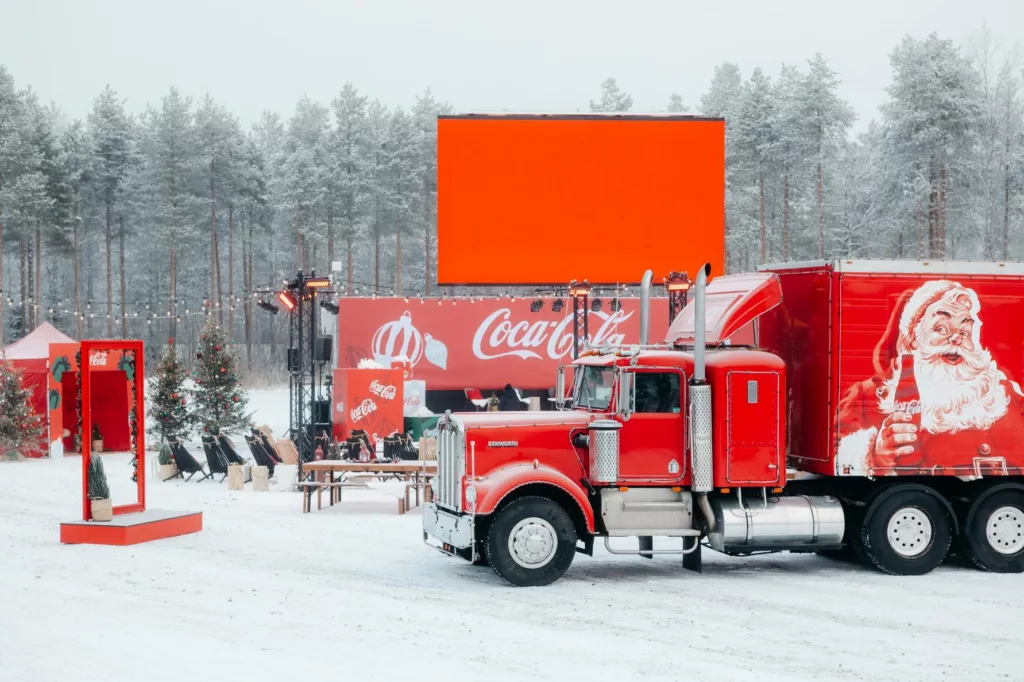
21, 430
169, 409
218, 400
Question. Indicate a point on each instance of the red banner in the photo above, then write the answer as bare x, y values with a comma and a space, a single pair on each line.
454, 345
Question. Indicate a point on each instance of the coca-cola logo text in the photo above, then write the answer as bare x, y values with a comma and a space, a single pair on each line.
98, 360
362, 410
498, 337
907, 406
413, 400
387, 392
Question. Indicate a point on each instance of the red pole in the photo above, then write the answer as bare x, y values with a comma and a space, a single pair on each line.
86, 433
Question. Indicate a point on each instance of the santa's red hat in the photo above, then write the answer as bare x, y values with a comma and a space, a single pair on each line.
907, 315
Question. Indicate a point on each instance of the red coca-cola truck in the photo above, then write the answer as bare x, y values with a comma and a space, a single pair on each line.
875, 416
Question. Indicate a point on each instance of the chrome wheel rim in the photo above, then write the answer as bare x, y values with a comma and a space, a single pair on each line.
909, 532
532, 543
1005, 530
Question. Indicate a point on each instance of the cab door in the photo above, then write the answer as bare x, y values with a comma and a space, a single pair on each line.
651, 440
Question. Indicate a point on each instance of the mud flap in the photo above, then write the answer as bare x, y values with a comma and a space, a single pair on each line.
692, 561
588, 545
646, 545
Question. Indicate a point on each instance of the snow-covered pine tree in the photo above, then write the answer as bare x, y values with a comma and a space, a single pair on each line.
168, 405
110, 128
722, 100
20, 429
425, 114
675, 104
220, 152
613, 100
757, 138
348, 182
170, 162
826, 120
219, 401
302, 179
931, 124
400, 182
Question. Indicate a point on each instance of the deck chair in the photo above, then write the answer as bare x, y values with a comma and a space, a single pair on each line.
228, 450
186, 463
268, 447
215, 459
232, 456
260, 455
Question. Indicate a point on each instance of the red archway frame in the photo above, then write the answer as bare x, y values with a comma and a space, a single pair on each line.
131, 352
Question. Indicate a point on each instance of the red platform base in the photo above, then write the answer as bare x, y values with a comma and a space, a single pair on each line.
131, 529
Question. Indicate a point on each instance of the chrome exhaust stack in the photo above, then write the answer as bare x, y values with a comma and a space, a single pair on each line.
645, 308
701, 421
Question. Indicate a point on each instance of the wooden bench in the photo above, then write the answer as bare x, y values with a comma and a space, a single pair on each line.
334, 487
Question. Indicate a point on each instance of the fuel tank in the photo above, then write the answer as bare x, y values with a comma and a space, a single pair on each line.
780, 523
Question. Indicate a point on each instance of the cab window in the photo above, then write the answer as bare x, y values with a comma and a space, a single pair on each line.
657, 392
594, 388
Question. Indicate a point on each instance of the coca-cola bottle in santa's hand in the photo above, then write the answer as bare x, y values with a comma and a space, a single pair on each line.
908, 396
904, 425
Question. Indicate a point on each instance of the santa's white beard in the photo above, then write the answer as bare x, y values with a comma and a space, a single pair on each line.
967, 395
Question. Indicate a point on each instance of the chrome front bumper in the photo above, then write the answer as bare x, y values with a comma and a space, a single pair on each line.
452, 530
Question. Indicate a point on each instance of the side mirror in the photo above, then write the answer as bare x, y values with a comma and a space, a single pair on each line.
625, 399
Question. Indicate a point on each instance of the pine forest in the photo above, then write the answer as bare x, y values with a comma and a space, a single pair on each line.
145, 217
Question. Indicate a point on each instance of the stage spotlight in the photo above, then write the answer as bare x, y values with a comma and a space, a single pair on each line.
615, 305
557, 305
266, 305
536, 306
332, 308
595, 305
317, 282
286, 300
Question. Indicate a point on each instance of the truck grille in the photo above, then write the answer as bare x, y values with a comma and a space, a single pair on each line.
451, 466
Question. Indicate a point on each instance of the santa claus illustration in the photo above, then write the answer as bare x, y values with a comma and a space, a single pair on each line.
938, 402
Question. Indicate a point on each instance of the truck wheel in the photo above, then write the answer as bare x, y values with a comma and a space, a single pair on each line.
531, 542
994, 540
909, 533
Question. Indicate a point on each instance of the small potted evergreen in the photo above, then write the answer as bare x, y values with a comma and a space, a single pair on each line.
97, 438
99, 491
168, 467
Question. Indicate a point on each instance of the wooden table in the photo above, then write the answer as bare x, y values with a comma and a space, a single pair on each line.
329, 468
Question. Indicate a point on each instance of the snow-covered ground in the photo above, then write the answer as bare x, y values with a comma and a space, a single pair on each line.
266, 592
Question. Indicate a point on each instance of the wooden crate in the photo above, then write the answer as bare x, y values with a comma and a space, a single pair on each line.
260, 479
236, 477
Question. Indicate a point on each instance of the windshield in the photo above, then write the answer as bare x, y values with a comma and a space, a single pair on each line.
593, 388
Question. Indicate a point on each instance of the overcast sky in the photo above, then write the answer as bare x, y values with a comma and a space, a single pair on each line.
526, 55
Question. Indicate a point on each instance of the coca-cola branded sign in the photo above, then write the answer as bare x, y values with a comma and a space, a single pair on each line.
361, 410
485, 344
374, 402
415, 398
386, 392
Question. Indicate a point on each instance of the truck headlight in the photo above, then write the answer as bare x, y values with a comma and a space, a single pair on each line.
471, 496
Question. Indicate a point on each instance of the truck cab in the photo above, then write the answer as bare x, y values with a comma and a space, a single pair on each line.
634, 454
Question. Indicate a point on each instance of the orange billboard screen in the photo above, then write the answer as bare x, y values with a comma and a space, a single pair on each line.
550, 199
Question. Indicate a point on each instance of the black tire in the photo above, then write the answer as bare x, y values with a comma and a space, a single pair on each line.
920, 538
547, 517
981, 543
